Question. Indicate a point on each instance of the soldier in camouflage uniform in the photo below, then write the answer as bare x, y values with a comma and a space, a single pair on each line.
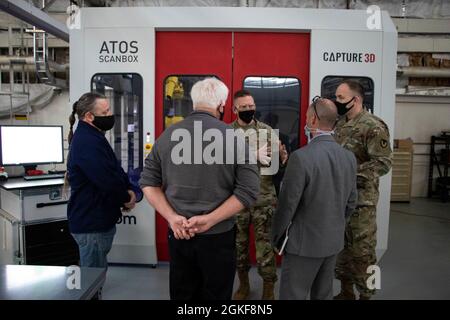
367, 136
260, 215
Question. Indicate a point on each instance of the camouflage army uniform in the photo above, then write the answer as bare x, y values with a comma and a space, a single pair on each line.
367, 137
260, 215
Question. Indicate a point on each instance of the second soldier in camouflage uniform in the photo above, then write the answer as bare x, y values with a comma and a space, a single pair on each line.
367, 136
260, 215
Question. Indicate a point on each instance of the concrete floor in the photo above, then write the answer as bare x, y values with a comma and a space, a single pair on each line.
415, 266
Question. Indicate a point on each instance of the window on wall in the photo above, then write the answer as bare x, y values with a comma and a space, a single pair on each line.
177, 97
124, 92
277, 102
330, 84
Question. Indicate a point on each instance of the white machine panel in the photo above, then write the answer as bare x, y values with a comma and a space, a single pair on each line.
355, 54
126, 50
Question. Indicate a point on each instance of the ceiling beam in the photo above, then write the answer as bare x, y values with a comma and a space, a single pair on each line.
36, 17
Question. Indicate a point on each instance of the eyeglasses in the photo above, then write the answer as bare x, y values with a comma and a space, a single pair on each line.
314, 102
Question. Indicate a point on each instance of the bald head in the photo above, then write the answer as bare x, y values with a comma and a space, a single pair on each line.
326, 113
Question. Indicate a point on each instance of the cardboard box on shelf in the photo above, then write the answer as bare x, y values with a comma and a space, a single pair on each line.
402, 170
405, 144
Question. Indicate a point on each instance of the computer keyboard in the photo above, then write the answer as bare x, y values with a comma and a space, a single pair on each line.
44, 176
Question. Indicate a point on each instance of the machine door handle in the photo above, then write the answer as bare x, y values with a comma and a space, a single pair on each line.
49, 204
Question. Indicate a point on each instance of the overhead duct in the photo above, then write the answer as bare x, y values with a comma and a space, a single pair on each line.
28, 65
54, 67
17, 61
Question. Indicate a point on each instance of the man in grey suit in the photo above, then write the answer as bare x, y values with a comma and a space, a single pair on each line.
317, 194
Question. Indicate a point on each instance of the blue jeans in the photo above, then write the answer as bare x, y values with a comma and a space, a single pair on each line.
94, 247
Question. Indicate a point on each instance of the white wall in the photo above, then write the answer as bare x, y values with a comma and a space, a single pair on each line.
419, 118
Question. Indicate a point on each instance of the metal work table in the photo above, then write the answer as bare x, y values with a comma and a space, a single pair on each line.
34, 228
25, 282
20, 183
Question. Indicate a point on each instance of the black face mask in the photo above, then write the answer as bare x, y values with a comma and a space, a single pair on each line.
342, 107
104, 123
246, 116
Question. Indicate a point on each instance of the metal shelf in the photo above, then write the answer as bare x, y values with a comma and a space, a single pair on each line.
442, 185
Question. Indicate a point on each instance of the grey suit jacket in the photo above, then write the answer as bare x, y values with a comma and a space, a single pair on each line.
317, 194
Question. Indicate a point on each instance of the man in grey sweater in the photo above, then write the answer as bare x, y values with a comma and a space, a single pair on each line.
198, 192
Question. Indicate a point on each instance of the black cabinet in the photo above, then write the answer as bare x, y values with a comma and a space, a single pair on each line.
50, 244
441, 162
35, 228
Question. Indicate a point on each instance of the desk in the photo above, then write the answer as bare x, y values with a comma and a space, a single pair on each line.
30, 201
33, 223
22, 282
21, 184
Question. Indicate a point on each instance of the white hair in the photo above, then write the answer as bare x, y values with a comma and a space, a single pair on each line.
210, 92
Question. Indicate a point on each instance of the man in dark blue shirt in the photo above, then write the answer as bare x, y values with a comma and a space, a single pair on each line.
100, 189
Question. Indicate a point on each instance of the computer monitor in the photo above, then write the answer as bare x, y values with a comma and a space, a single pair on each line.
31, 145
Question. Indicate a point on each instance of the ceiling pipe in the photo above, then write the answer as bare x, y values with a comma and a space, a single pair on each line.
17, 63
16, 60
424, 72
32, 68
